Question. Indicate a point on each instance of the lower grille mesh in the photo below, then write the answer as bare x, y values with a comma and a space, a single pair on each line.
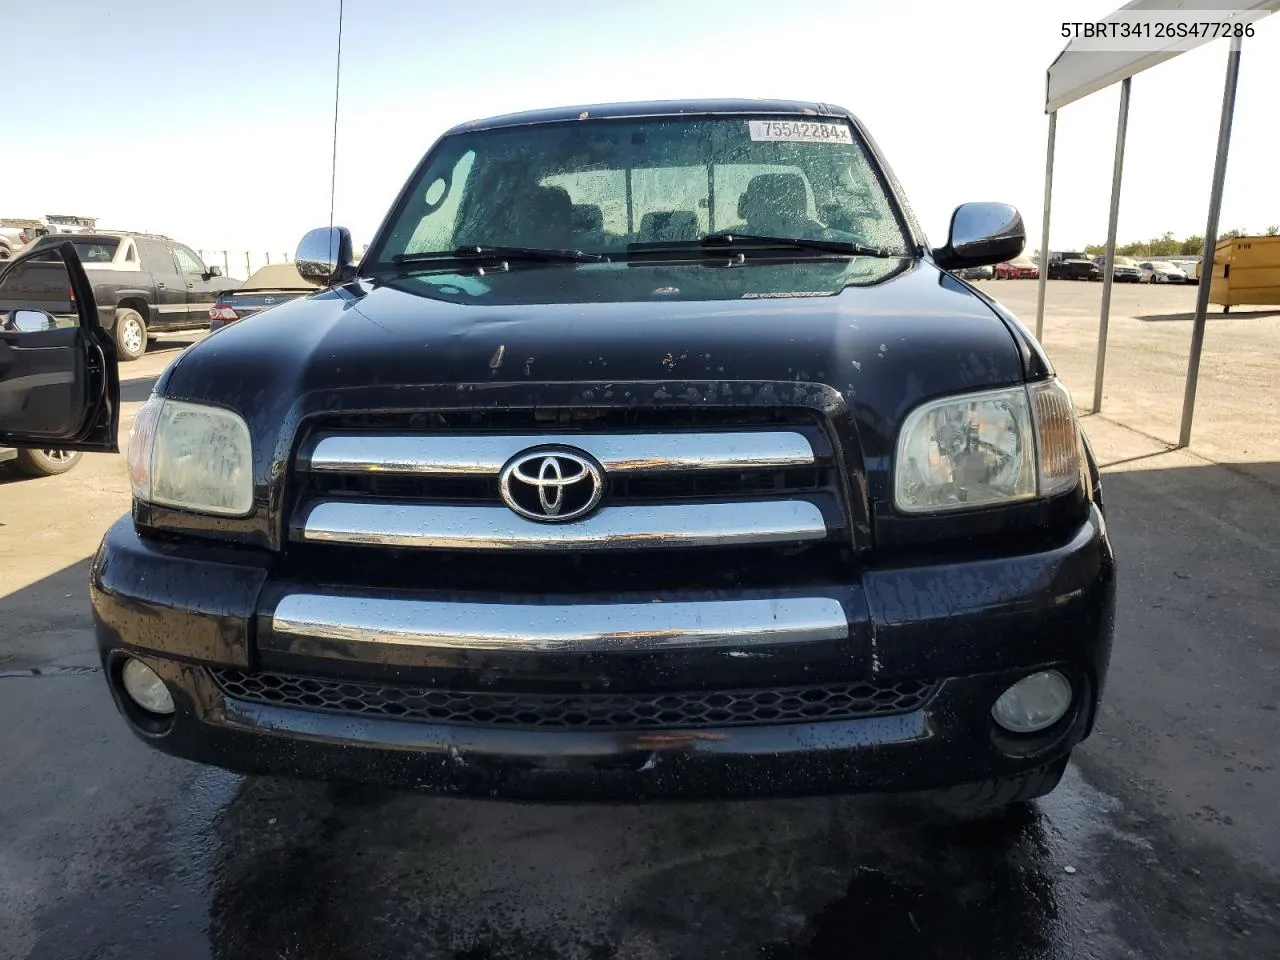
610, 711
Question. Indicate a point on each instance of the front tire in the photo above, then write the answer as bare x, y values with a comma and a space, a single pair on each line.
45, 463
990, 796
131, 334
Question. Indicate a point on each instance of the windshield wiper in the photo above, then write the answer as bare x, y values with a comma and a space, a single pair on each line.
481, 252
716, 241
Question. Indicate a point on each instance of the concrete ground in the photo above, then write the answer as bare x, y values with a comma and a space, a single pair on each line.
1237, 417
1162, 841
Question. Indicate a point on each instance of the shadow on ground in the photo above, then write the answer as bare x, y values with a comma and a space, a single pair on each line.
59, 600
137, 389
1235, 314
170, 345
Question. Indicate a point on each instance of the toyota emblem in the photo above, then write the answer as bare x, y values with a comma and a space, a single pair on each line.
552, 484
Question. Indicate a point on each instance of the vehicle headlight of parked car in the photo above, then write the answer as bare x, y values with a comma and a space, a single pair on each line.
982, 449
191, 456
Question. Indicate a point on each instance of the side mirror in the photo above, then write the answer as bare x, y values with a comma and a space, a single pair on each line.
213, 272
324, 256
982, 233
29, 321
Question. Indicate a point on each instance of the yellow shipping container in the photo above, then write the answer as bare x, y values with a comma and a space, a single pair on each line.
1245, 270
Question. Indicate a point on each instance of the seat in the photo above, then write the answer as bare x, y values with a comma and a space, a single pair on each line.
548, 219
775, 204
661, 225
587, 218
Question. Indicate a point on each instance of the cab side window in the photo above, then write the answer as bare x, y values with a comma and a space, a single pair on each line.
188, 262
157, 258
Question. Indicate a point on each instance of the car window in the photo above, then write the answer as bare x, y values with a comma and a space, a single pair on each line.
96, 251
188, 262
156, 257
36, 296
600, 185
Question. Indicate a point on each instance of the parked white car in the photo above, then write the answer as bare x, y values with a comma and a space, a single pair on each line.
1190, 268
1161, 271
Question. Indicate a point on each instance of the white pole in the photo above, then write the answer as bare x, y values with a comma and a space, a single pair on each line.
1044, 228
1117, 170
1210, 241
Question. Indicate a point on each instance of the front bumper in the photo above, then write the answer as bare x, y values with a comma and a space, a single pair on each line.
972, 627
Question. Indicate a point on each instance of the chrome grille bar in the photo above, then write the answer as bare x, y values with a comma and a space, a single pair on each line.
357, 622
472, 527
485, 454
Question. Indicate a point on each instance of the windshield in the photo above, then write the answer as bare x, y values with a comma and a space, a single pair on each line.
599, 186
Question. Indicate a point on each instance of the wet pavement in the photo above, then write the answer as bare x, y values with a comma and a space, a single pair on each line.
201, 863
1162, 841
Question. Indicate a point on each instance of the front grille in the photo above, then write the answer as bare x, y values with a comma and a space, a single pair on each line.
671, 486
681, 478
605, 711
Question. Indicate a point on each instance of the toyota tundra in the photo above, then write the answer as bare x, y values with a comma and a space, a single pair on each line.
650, 451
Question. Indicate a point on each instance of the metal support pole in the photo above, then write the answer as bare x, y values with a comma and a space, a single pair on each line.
1210, 241
268, 258
1044, 227
1108, 278
226, 264
248, 268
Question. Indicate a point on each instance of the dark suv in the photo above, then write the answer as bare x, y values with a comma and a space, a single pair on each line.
1073, 266
650, 451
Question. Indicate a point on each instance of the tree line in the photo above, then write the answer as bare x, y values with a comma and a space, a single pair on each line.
1170, 246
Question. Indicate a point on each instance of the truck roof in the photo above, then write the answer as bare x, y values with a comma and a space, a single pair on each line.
655, 108
105, 235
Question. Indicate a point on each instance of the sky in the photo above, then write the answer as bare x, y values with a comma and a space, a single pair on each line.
212, 122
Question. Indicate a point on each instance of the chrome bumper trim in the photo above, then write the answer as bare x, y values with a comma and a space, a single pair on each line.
470, 527
357, 621
486, 454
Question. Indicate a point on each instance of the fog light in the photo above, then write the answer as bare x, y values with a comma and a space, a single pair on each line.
145, 688
1034, 703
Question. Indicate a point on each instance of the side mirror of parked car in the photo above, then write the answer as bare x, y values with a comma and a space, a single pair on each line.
28, 321
981, 234
324, 256
213, 272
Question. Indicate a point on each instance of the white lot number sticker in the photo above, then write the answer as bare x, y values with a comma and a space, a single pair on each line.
800, 131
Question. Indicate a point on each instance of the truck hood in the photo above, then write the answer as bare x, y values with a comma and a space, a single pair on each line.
877, 336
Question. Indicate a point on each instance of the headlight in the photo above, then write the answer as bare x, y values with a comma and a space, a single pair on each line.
191, 456
983, 449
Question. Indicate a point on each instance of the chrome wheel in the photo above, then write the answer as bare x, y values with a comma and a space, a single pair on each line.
45, 463
131, 336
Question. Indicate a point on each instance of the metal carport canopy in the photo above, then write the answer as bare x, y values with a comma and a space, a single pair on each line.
1080, 70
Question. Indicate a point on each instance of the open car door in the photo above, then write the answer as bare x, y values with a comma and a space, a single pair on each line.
59, 386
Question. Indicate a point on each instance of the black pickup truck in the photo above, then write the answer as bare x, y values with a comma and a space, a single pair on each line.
144, 284
649, 452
